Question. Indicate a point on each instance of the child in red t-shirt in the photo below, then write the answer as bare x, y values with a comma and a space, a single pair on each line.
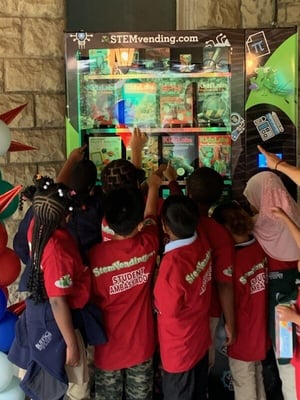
122, 271
59, 286
205, 186
250, 294
182, 295
122, 172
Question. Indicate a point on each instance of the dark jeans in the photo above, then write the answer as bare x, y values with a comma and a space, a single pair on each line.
271, 376
189, 385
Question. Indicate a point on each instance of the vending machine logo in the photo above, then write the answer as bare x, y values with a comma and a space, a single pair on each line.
81, 38
257, 44
268, 125
220, 40
150, 38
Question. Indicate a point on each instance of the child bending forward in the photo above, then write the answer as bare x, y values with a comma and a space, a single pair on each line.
250, 294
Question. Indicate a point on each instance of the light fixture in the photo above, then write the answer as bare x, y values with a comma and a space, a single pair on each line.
124, 58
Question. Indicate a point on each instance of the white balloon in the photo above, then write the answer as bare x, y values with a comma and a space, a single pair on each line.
6, 371
5, 138
13, 391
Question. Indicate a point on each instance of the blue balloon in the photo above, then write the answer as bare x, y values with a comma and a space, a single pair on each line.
7, 330
3, 303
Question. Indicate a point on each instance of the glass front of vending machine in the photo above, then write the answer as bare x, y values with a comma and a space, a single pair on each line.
175, 86
204, 97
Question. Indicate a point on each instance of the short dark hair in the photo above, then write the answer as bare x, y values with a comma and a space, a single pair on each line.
180, 215
118, 173
234, 216
205, 186
83, 177
124, 209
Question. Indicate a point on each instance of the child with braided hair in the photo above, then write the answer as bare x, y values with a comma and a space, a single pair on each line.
20, 242
48, 343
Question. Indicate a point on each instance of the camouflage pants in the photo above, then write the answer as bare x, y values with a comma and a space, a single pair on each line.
136, 382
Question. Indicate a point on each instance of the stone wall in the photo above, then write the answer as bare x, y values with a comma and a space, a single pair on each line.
32, 71
199, 14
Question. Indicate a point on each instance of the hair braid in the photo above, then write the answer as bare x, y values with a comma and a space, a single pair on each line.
49, 208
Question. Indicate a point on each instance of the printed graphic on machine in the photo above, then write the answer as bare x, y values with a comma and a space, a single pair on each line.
272, 86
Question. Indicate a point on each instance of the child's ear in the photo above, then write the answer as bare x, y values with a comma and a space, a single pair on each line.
140, 226
165, 228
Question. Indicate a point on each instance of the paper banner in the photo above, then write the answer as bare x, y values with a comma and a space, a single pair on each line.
16, 146
7, 197
11, 114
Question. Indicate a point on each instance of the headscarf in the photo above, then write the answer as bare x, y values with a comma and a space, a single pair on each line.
264, 191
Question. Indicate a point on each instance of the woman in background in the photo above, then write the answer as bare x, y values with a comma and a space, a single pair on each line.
264, 191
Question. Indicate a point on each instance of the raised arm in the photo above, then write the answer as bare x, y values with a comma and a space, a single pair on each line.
76, 155
137, 142
171, 175
154, 182
276, 163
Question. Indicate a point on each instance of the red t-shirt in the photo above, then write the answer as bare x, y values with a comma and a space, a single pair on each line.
64, 272
222, 256
251, 310
182, 298
122, 272
277, 265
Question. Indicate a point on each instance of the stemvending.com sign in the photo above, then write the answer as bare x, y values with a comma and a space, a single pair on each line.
159, 38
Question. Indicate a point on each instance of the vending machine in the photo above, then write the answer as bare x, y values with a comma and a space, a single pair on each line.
204, 98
